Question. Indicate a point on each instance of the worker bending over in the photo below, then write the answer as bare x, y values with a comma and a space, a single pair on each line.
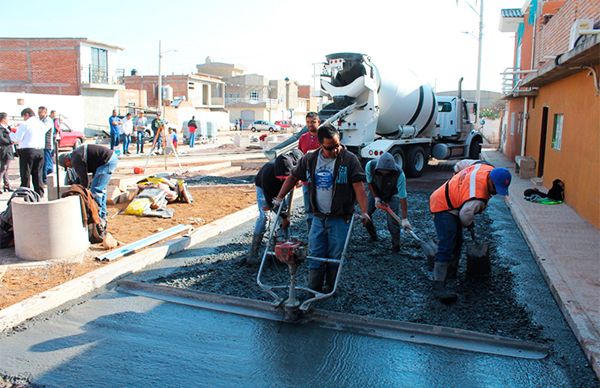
100, 162
335, 182
268, 182
387, 189
454, 205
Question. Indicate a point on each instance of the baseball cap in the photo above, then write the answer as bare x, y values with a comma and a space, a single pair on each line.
501, 178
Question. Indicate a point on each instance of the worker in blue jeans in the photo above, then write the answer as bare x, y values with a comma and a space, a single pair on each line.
268, 182
100, 162
335, 183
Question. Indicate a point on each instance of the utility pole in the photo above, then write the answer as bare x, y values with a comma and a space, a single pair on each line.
159, 79
478, 86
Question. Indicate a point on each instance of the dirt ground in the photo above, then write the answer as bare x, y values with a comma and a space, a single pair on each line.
210, 203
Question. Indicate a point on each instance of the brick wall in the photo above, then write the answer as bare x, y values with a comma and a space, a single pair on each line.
45, 66
553, 37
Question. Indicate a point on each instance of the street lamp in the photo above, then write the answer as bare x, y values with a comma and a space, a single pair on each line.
287, 95
480, 44
160, 55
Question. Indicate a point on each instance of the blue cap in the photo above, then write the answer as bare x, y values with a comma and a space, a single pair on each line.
501, 178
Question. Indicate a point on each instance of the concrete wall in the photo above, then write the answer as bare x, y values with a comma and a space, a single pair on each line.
97, 107
70, 108
43, 66
577, 163
85, 52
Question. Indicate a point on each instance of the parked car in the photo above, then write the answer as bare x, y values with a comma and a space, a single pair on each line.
70, 138
262, 125
284, 124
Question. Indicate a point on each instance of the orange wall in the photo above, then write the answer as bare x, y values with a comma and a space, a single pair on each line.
578, 161
512, 145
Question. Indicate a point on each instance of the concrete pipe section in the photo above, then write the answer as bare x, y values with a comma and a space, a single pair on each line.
49, 230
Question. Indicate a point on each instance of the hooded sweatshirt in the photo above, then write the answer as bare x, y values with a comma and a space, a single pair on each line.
266, 178
389, 185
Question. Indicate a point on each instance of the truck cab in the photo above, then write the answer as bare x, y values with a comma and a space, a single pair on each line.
454, 117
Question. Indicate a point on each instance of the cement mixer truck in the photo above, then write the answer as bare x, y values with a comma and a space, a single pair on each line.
402, 116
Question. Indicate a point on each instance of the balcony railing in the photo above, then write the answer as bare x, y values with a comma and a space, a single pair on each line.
512, 80
238, 100
100, 75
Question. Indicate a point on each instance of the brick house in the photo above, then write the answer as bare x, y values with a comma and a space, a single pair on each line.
64, 66
553, 96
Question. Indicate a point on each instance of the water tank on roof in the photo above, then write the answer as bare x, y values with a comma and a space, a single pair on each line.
167, 93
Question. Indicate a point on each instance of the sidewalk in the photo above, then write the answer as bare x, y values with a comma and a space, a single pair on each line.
567, 250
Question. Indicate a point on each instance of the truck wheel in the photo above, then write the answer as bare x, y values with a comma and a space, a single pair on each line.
253, 129
475, 149
416, 161
398, 155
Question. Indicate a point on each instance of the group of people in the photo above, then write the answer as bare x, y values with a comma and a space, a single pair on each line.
33, 141
334, 181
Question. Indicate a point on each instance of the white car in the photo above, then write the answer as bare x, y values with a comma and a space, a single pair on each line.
262, 125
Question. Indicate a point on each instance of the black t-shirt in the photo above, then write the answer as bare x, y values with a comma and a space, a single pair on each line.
97, 156
266, 180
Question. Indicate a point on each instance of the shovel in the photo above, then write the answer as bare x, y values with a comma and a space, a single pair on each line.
428, 247
478, 258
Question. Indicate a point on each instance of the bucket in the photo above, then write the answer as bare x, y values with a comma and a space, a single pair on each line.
138, 170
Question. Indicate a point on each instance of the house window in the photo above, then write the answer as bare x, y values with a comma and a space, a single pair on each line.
254, 95
99, 66
557, 131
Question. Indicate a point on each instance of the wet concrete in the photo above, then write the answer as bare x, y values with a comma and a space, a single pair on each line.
122, 340
209, 180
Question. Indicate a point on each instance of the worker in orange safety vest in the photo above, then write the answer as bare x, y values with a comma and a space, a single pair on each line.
454, 205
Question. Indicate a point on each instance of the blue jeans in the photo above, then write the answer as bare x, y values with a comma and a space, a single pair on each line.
140, 142
192, 139
307, 207
48, 166
449, 232
260, 226
100, 181
126, 141
392, 224
326, 239
114, 139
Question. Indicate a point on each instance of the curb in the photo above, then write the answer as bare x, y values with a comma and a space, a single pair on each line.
78, 287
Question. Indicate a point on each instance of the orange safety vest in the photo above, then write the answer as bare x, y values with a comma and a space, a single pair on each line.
468, 184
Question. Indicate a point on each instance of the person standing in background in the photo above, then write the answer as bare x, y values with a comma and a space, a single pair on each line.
49, 124
140, 128
309, 141
115, 123
31, 138
127, 130
192, 127
6, 151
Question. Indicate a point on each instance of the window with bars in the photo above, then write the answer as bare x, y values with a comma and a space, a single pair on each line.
557, 131
254, 95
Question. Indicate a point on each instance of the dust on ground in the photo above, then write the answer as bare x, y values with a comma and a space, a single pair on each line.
18, 284
210, 203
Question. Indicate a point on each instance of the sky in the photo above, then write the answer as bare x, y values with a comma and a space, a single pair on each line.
435, 39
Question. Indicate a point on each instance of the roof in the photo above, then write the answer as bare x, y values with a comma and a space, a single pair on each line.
86, 40
511, 13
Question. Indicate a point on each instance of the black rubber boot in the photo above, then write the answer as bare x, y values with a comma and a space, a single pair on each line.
330, 276
439, 288
315, 279
453, 267
252, 258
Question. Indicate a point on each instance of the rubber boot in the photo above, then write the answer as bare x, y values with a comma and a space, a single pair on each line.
315, 279
330, 276
372, 231
395, 244
440, 291
252, 258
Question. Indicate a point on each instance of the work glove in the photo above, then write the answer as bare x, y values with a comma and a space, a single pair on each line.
405, 224
277, 202
365, 218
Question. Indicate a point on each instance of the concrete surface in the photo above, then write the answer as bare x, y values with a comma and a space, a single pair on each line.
567, 250
51, 230
121, 340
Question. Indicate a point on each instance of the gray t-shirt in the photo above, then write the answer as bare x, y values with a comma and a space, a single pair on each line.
323, 181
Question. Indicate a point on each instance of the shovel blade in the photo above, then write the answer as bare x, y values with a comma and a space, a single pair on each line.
478, 260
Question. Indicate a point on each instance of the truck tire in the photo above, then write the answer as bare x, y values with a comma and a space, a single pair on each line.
253, 129
398, 155
415, 162
475, 148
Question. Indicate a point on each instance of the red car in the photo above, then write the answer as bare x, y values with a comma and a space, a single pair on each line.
69, 138
284, 124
